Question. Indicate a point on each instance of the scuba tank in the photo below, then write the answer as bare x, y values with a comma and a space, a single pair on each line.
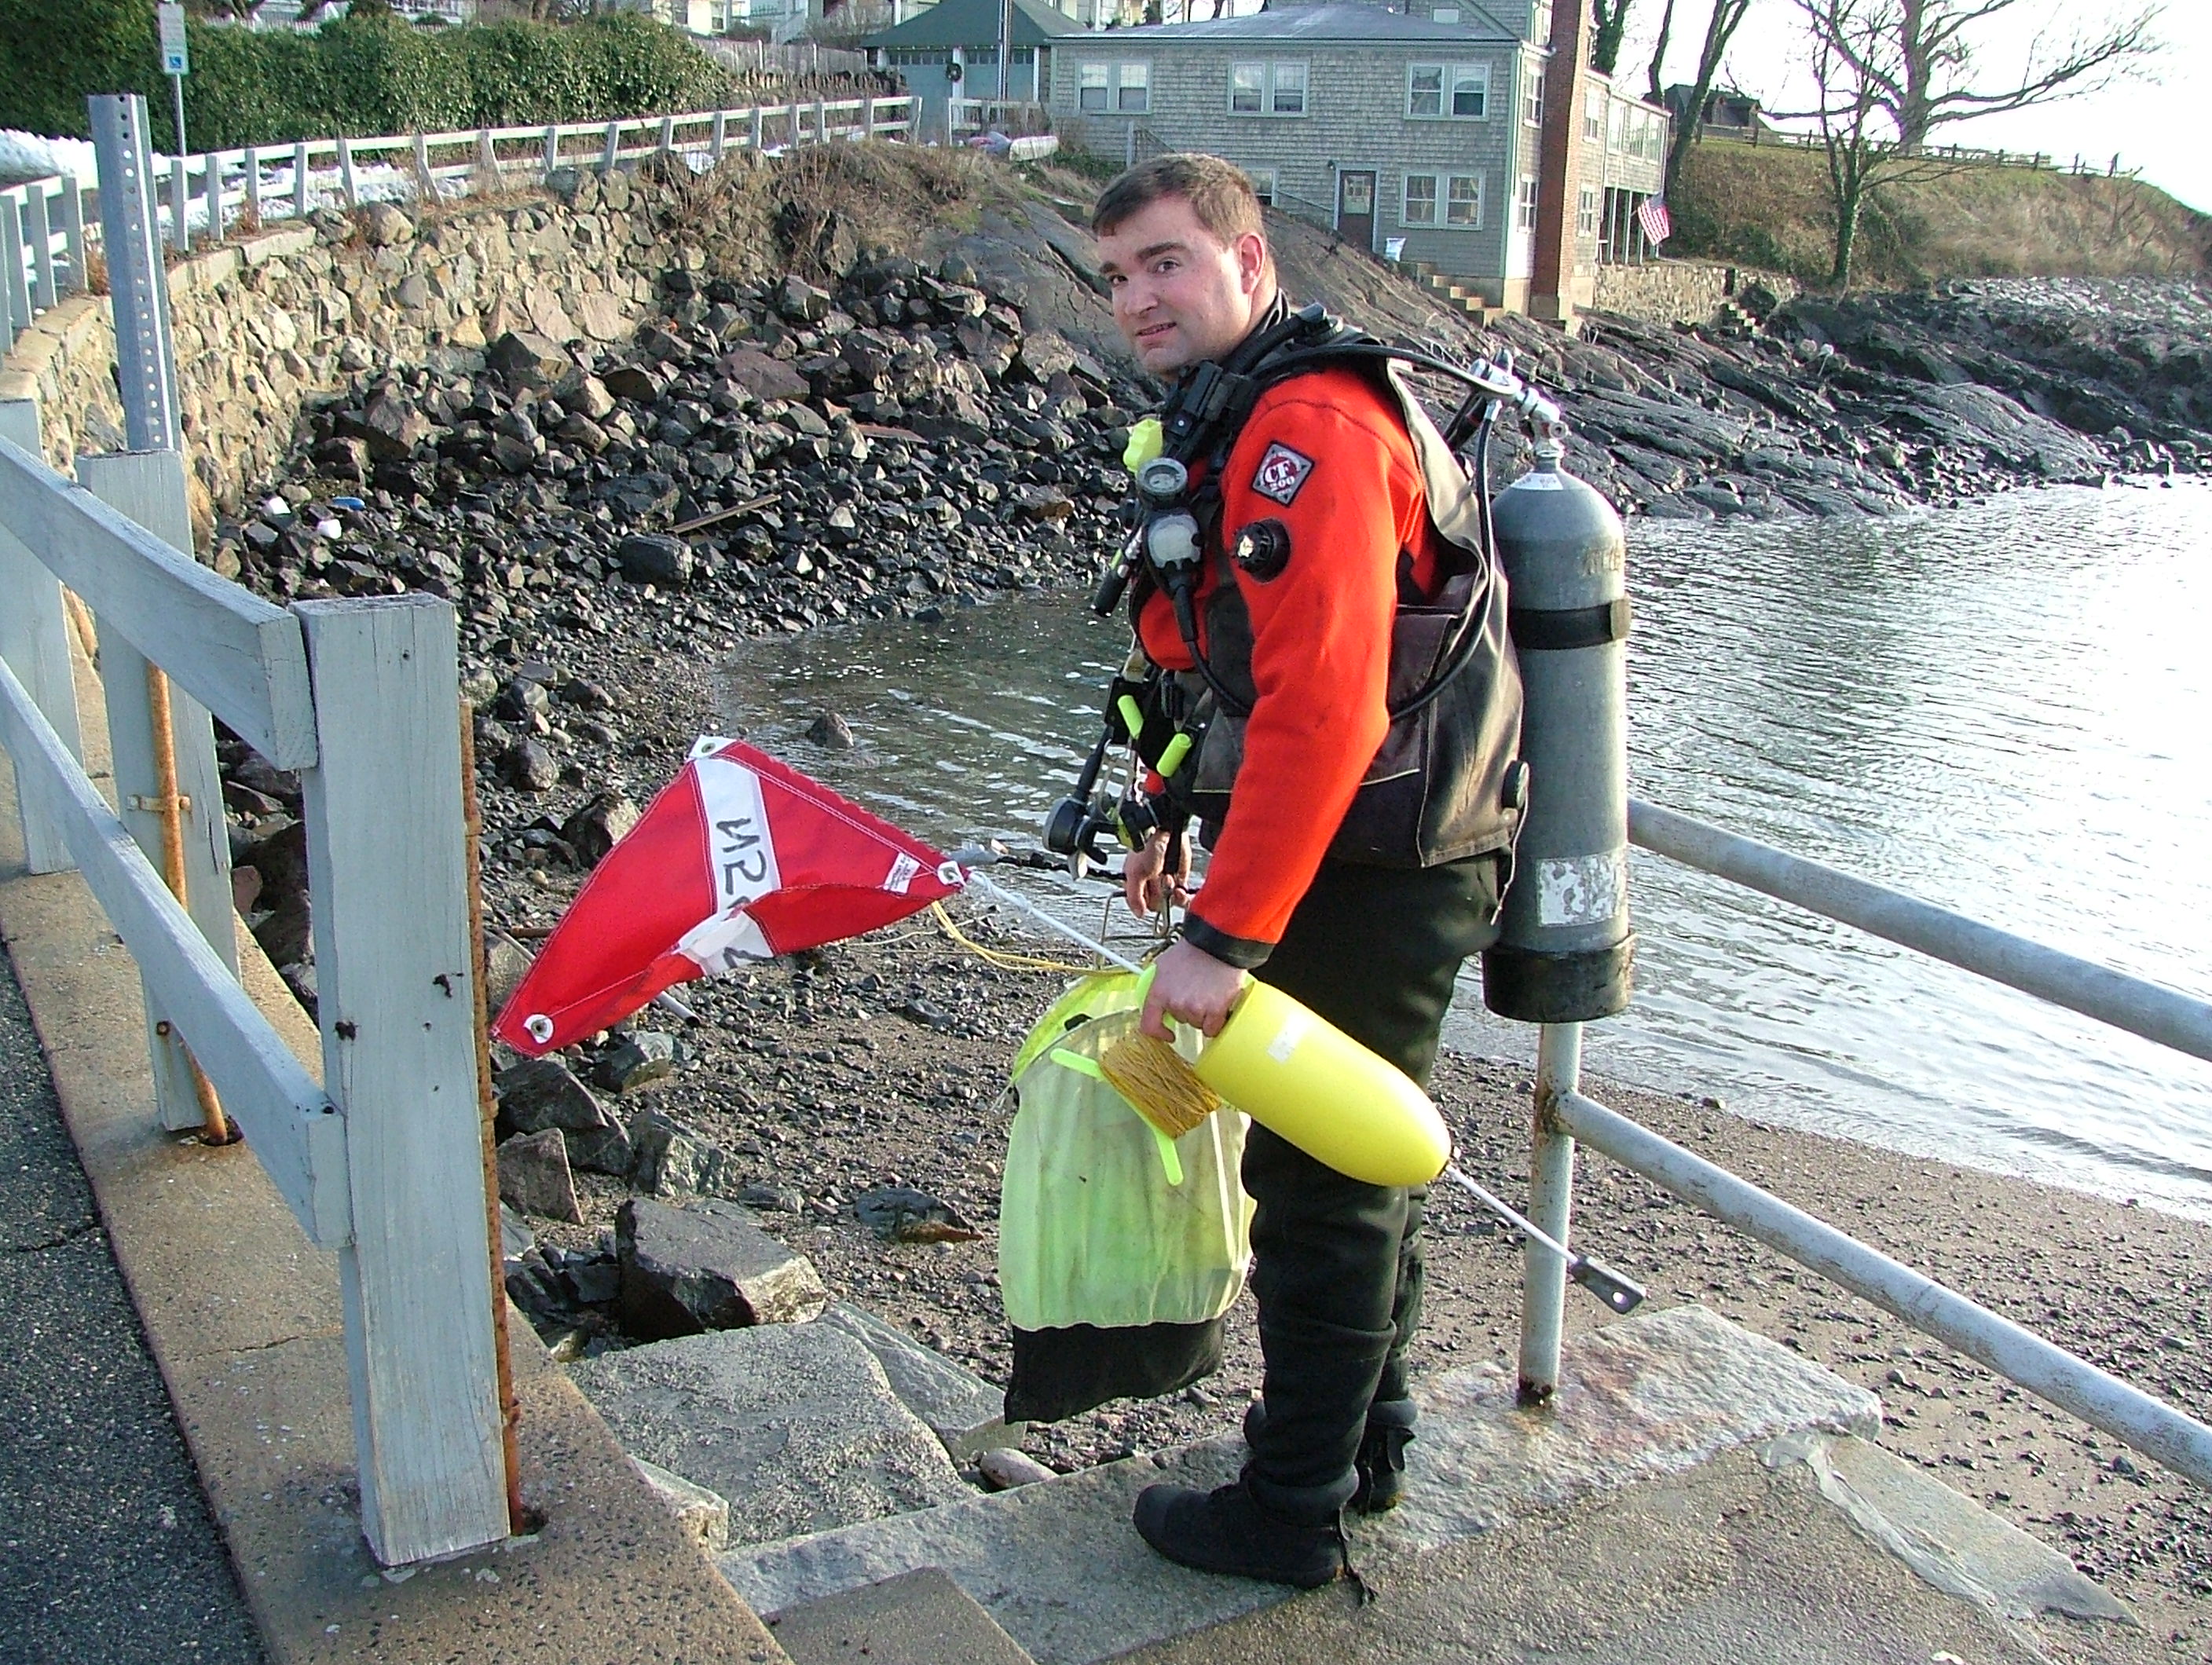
1566, 953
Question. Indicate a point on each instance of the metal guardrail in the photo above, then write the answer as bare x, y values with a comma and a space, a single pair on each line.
1563, 1115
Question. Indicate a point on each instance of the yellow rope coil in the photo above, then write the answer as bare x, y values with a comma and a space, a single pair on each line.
998, 957
1159, 1085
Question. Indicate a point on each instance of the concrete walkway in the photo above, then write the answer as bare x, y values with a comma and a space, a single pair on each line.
107, 1553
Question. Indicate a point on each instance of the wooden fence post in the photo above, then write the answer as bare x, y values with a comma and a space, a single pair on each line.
614, 147
821, 122
214, 160
757, 128
347, 182
302, 198
17, 280
149, 487
721, 133
254, 186
667, 134
73, 232
552, 149
386, 856
34, 641
43, 291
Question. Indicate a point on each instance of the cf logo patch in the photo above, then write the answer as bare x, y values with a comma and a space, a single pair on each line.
1281, 474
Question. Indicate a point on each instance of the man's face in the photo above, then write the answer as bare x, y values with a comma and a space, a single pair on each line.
1180, 294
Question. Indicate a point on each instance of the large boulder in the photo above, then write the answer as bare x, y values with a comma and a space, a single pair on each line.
707, 1266
528, 359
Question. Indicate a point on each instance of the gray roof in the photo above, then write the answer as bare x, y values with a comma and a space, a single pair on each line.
966, 24
1327, 21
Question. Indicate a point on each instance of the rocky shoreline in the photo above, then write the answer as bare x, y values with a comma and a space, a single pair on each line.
902, 438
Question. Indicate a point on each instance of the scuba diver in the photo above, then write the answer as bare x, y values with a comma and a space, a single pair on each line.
1323, 687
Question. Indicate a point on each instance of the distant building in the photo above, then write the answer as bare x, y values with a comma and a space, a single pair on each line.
951, 51
1418, 131
1729, 114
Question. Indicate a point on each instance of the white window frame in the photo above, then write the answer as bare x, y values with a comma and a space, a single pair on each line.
1405, 199
1096, 78
1532, 97
1253, 78
1586, 213
1451, 201
1452, 79
1524, 203
1271, 86
1594, 103
1133, 75
1263, 185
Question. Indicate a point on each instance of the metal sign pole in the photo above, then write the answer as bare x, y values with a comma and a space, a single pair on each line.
145, 360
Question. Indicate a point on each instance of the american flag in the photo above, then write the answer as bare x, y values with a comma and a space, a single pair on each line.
1658, 224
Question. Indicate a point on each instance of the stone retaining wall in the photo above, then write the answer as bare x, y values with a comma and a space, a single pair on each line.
1678, 291
265, 324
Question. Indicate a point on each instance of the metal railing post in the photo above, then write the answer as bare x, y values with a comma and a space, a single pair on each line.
382, 808
1551, 1206
138, 286
149, 487
34, 643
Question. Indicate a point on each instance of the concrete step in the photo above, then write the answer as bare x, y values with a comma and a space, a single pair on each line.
1057, 1565
920, 1617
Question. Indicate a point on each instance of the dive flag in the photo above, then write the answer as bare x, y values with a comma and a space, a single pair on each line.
739, 859
1658, 224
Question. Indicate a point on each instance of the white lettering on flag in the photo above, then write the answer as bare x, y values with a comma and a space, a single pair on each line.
740, 853
904, 872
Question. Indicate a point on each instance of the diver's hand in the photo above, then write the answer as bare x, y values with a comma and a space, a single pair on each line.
1157, 877
1192, 986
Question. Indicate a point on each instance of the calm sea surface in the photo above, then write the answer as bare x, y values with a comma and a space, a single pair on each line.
2006, 709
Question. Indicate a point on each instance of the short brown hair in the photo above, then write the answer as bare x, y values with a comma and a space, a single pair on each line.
1216, 191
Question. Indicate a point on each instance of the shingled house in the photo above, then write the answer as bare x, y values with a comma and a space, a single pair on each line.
1413, 132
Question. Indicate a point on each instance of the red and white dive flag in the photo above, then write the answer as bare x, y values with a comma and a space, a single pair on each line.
740, 859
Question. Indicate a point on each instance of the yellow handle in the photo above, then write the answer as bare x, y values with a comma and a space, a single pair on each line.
1146, 442
1131, 718
1172, 754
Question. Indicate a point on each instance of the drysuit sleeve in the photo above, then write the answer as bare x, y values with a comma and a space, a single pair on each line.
1338, 475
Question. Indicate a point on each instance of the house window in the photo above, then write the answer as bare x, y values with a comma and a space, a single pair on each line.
1092, 81
1532, 107
1418, 207
1267, 89
1539, 23
1586, 215
1445, 15
1263, 185
1593, 115
1524, 212
1617, 133
1463, 201
1437, 91
1134, 90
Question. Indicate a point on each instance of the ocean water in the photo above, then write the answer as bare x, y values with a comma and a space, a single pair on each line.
2004, 708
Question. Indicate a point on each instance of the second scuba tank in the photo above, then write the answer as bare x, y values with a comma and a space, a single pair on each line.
1566, 953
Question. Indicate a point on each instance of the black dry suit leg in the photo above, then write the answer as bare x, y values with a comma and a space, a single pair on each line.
1338, 1268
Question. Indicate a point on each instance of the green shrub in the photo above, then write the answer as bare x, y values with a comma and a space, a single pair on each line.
360, 76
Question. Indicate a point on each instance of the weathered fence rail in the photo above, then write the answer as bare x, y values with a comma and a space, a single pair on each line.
382, 1162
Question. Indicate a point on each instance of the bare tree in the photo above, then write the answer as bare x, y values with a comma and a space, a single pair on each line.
1720, 29
1654, 92
1891, 72
1610, 18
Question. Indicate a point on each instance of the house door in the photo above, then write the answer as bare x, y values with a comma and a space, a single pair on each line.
1355, 208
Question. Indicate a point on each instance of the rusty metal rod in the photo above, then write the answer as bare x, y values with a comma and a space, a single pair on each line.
169, 805
510, 1409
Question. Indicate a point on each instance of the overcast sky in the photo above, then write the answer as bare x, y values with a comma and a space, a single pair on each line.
2157, 125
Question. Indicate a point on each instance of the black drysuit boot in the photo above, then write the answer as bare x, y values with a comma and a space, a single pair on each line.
1249, 1529
1380, 1465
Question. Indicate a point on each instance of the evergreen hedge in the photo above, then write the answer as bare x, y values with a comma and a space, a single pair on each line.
358, 77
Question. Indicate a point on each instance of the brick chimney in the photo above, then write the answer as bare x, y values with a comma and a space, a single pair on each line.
1560, 164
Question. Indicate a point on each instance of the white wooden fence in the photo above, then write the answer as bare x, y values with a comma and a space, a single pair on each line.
45, 239
42, 249
383, 1162
207, 193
